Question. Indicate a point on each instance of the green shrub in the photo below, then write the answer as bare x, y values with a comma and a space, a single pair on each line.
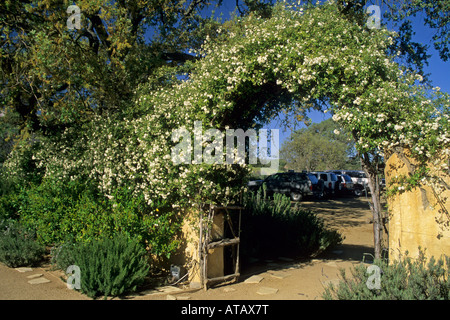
155, 226
71, 212
9, 206
45, 207
9, 199
403, 279
61, 256
110, 267
75, 212
275, 227
18, 247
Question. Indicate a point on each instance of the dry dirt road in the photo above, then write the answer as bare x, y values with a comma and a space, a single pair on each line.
278, 279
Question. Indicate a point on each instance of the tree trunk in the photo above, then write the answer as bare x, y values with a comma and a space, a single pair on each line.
371, 169
374, 187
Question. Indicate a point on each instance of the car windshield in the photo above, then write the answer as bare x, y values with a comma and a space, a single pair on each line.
356, 174
347, 178
313, 178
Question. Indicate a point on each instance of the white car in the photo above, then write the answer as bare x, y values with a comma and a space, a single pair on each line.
330, 180
359, 178
346, 184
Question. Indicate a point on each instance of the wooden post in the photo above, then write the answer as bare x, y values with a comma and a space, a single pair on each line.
200, 249
206, 245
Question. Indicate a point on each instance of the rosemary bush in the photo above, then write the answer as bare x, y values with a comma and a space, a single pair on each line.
403, 279
110, 267
18, 247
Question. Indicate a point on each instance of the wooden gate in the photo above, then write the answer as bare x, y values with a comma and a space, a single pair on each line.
228, 236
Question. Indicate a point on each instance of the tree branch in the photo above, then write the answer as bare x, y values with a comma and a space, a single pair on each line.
97, 24
191, 7
179, 56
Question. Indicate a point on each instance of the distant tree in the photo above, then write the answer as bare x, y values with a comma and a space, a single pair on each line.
321, 146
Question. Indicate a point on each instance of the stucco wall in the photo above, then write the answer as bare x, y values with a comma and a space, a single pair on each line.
417, 217
188, 256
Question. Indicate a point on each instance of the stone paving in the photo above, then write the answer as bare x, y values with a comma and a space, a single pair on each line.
281, 278
36, 278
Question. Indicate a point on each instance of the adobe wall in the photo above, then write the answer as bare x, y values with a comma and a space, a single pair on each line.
417, 217
188, 257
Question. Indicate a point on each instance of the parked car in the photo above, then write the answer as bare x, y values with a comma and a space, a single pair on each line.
330, 181
345, 184
318, 186
296, 185
254, 185
359, 178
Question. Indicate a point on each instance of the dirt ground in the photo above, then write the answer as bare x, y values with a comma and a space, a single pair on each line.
280, 279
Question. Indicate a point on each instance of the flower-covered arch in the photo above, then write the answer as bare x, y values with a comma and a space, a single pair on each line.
297, 59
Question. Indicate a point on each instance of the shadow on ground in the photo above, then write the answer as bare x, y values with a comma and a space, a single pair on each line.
341, 212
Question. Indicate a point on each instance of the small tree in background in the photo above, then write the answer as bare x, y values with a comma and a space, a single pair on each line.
320, 146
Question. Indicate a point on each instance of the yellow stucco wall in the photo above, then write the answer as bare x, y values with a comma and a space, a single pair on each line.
187, 256
417, 218
215, 256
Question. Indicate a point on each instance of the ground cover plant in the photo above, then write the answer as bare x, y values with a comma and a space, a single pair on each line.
408, 278
18, 246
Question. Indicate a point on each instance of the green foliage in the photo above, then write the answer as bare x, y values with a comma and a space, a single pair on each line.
44, 208
98, 106
403, 279
156, 226
110, 266
407, 182
274, 228
24, 170
242, 73
320, 146
9, 196
61, 256
18, 247
76, 213
9, 206
71, 73
432, 12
